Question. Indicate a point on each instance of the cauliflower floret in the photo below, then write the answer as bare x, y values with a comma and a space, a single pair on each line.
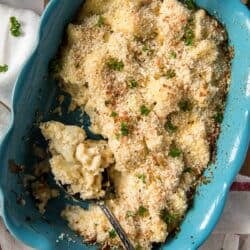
76, 162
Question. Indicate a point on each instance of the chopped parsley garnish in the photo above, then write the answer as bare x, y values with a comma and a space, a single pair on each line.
124, 129
114, 114
187, 170
172, 54
188, 36
142, 211
167, 217
145, 48
170, 73
142, 177
133, 84
185, 105
129, 214
101, 21
107, 102
218, 117
169, 126
144, 110
115, 64
4, 68
174, 152
138, 247
112, 234
190, 4
15, 26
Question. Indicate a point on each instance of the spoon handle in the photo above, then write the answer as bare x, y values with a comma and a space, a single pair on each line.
116, 225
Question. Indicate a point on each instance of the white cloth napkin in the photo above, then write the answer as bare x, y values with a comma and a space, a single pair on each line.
35, 5
14, 51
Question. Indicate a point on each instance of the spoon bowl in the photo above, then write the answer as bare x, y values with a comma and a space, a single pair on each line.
110, 216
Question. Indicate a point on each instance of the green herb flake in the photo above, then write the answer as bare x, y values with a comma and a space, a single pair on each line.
145, 48
144, 110
172, 54
142, 177
124, 129
112, 234
167, 217
174, 152
107, 102
170, 127
218, 117
15, 27
149, 51
133, 84
170, 74
101, 21
187, 170
138, 247
190, 4
4, 68
115, 64
114, 114
185, 105
188, 36
142, 211
129, 214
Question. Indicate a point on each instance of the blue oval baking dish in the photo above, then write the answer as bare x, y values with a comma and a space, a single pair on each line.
35, 91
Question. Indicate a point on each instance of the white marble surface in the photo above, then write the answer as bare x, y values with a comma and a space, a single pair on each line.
7, 242
236, 215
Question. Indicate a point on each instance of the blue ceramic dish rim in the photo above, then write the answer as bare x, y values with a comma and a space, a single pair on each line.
228, 181
42, 23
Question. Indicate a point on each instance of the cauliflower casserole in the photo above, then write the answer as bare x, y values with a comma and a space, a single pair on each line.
153, 76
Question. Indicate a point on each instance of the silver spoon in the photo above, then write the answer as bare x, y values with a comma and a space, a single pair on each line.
110, 216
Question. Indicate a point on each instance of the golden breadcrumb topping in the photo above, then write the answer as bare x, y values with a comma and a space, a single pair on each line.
153, 76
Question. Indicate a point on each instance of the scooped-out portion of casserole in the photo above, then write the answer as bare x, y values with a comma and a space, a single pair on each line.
153, 77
